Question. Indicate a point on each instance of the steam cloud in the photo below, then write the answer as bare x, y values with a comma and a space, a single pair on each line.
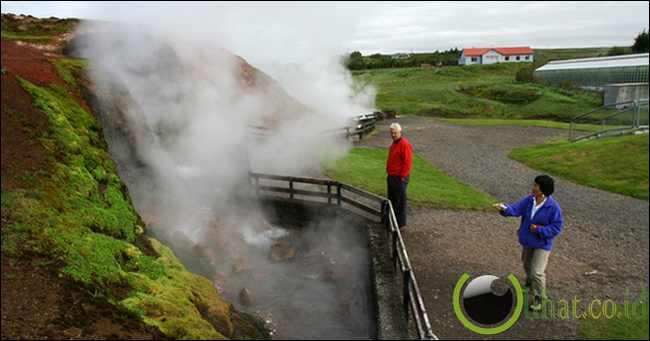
189, 106
194, 101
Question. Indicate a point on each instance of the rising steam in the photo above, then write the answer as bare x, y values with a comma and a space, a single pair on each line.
183, 113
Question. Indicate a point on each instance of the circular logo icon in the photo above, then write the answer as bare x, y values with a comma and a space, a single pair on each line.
487, 304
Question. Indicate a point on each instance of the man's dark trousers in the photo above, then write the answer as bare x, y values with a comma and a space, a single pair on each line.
397, 197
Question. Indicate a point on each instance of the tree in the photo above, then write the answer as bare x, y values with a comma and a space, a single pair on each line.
355, 61
641, 42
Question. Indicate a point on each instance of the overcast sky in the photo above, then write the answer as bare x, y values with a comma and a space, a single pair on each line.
377, 27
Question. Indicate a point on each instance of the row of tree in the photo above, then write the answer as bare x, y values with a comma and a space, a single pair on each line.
357, 61
640, 46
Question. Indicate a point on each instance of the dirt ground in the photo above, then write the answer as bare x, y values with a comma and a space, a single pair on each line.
21, 122
28, 62
37, 304
602, 252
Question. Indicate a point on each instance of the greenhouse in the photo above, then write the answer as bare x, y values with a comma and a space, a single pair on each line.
596, 72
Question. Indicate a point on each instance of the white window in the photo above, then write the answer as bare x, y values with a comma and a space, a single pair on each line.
518, 58
526, 57
474, 59
507, 58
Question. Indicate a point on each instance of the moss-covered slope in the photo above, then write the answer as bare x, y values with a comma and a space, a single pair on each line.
76, 214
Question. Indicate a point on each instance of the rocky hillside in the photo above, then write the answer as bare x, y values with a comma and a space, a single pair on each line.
76, 258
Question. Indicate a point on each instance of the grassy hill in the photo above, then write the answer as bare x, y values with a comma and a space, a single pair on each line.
543, 56
616, 164
34, 30
488, 91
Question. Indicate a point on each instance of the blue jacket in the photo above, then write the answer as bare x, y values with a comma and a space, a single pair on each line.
549, 217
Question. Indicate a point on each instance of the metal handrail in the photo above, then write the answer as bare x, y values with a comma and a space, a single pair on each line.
412, 298
614, 105
635, 124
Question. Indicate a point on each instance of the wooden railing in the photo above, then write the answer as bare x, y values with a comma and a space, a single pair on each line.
358, 126
364, 124
336, 193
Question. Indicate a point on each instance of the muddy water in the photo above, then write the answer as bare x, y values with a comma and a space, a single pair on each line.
308, 282
322, 292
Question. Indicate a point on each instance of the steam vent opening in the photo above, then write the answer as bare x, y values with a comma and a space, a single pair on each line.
301, 254
304, 267
304, 259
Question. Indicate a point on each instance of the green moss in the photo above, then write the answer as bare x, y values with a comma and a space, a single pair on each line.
68, 67
82, 166
79, 216
147, 265
180, 304
94, 258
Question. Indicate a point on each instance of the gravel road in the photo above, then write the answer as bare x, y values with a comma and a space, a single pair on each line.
602, 252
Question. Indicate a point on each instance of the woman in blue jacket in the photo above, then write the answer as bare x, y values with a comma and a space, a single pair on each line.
541, 222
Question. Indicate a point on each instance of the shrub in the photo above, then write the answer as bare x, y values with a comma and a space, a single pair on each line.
526, 74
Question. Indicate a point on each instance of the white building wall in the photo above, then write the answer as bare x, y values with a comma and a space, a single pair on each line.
491, 57
522, 58
464, 60
468, 60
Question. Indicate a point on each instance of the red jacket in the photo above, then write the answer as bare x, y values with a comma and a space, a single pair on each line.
400, 158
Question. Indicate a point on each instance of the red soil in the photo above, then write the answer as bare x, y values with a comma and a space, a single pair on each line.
28, 62
21, 124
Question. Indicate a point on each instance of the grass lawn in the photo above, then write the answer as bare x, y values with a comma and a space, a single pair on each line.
487, 91
366, 169
615, 164
523, 123
631, 325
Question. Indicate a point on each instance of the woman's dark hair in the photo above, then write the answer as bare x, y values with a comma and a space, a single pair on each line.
546, 184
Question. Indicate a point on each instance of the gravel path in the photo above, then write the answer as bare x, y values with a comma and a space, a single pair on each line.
604, 232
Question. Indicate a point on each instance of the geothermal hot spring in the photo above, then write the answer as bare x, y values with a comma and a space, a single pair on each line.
177, 118
307, 278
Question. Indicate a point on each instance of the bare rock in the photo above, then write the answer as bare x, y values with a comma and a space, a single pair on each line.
282, 251
245, 297
72, 333
241, 264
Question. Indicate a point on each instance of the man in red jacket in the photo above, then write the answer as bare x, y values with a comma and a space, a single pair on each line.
398, 167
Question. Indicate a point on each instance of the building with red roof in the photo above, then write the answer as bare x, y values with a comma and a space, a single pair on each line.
491, 55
